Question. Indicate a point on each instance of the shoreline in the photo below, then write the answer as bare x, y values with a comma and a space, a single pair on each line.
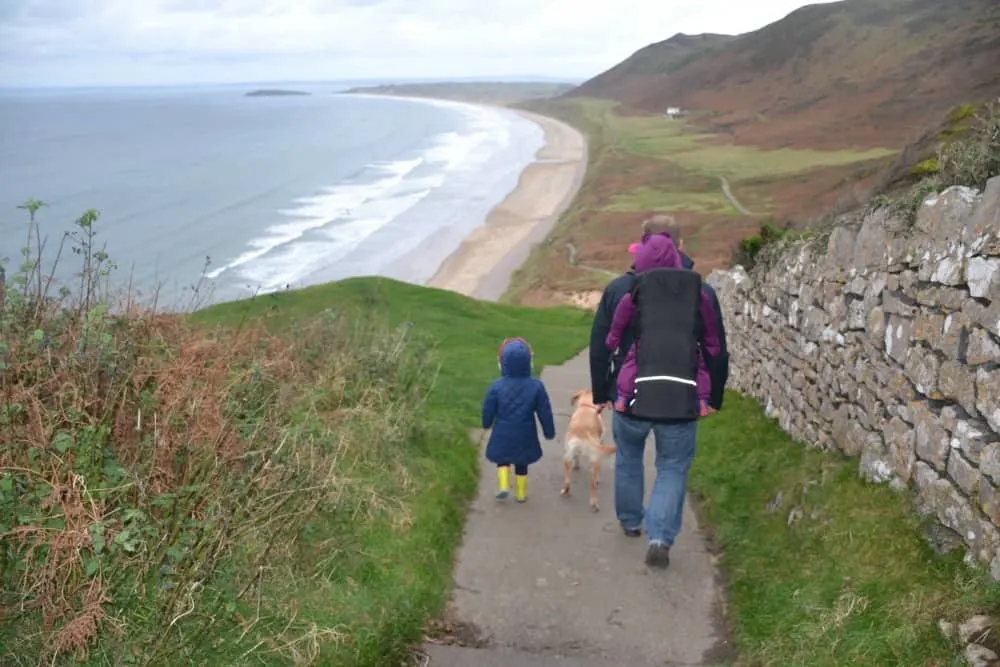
484, 263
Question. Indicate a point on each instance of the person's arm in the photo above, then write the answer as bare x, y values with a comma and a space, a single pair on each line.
490, 406
620, 322
710, 330
710, 346
600, 356
543, 408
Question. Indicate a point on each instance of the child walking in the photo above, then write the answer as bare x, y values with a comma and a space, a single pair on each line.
510, 407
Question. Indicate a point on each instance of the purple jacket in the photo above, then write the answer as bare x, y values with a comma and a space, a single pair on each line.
659, 252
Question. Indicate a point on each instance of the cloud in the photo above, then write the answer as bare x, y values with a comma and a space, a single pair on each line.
150, 41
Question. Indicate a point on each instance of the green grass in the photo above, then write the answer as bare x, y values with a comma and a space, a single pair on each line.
851, 582
745, 162
677, 141
662, 199
466, 332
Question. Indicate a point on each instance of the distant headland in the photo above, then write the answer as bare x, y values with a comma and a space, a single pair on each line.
480, 92
270, 92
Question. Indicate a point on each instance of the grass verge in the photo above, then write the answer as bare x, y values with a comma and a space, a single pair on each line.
276, 481
823, 568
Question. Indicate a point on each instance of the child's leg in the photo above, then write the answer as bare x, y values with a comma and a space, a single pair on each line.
503, 480
521, 482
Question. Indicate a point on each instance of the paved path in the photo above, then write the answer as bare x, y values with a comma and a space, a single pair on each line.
552, 584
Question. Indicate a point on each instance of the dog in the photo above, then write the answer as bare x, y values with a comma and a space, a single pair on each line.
584, 435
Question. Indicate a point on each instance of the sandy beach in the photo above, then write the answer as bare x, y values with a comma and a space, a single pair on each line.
482, 266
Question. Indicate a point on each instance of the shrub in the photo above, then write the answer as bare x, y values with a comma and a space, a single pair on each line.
970, 161
925, 167
750, 248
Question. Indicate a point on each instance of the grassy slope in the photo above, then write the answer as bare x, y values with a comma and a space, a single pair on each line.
382, 597
850, 582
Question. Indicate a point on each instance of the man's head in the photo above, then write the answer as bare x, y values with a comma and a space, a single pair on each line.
661, 224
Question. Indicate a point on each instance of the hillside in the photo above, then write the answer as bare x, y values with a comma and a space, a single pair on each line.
849, 73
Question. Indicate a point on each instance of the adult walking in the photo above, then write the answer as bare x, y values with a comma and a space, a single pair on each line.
672, 323
605, 364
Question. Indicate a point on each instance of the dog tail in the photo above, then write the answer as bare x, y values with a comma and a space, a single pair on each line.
607, 450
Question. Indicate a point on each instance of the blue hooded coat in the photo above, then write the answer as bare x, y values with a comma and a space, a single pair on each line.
510, 407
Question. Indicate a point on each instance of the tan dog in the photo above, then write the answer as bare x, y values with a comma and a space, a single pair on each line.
584, 435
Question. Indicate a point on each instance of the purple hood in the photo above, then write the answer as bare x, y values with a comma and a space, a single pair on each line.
657, 251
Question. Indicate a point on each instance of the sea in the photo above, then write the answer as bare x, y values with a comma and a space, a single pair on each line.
205, 191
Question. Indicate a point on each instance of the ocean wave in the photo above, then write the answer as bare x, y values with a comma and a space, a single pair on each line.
313, 212
323, 229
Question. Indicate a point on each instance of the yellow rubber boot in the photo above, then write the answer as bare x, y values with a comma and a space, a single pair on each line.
521, 488
503, 482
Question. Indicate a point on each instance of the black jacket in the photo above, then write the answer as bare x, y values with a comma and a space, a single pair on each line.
604, 373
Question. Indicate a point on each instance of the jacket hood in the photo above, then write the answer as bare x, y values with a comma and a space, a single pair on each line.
657, 251
515, 359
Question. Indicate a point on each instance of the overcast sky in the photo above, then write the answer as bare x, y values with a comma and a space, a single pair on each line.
88, 42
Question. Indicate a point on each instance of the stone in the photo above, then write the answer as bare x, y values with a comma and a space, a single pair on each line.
857, 315
840, 247
814, 321
871, 241
856, 286
875, 465
947, 628
896, 383
855, 438
941, 540
982, 348
963, 473
988, 317
979, 656
983, 277
898, 334
972, 629
928, 327
952, 335
971, 437
932, 443
988, 396
989, 499
899, 438
957, 383
896, 303
947, 298
950, 270
922, 368
989, 461
873, 292
875, 325
940, 216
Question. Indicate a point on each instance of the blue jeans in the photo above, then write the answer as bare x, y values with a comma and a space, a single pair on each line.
675, 444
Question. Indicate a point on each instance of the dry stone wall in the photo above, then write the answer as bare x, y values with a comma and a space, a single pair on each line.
883, 341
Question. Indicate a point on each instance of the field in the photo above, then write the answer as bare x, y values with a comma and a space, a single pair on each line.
645, 164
